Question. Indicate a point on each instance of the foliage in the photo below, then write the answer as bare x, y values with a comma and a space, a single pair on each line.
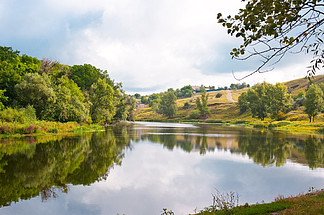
186, 105
265, 99
35, 90
168, 106
101, 96
238, 86
165, 211
270, 29
218, 95
243, 102
184, 92
202, 104
86, 75
313, 101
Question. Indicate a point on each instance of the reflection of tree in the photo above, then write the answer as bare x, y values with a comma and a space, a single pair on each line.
265, 149
314, 152
44, 169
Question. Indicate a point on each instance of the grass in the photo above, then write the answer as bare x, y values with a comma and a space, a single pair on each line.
310, 203
44, 127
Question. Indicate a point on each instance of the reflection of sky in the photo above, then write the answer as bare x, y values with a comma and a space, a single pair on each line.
152, 178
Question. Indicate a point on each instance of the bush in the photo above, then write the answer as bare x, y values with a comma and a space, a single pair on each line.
12, 115
218, 95
194, 115
186, 105
21, 115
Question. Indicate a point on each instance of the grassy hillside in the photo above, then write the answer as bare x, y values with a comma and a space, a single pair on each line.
301, 84
224, 110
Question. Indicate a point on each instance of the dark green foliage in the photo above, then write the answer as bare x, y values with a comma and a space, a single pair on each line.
137, 95
186, 105
54, 90
86, 75
218, 95
184, 92
168, 106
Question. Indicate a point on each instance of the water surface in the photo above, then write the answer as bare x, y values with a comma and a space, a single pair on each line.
142, 168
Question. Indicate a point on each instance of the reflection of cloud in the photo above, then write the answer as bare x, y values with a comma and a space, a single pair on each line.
152, 178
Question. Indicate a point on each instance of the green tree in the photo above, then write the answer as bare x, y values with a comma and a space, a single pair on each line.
3, 98
258, 101
265, 99
243, 102
278, 99
101, 96
271, 29
202, 103
137, 95
86, 75
36, 90
313, 101
168, 106
70, 104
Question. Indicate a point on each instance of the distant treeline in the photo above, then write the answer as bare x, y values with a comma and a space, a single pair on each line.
47, 90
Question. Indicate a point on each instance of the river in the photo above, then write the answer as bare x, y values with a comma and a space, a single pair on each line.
141, 168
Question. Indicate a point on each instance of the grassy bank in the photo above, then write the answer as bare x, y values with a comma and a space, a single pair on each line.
44, 127
310, 203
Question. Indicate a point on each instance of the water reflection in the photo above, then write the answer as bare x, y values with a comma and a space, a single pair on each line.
28, 170
49, 165
265, 148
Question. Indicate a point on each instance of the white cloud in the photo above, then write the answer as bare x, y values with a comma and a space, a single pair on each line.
148, 45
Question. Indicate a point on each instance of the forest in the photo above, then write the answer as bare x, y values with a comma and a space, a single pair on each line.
33, 89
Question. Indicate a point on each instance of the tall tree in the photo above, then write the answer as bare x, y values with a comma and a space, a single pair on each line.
101, 95
202, 103
271, 29
313, 101
35, 90
168, 106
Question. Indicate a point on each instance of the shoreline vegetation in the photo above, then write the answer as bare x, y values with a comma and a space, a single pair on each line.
309, 203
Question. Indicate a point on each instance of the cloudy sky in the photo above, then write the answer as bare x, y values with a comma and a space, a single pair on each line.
148, 45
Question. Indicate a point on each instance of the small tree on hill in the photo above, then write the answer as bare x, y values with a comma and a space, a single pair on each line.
202, 103
168, 106
314, 101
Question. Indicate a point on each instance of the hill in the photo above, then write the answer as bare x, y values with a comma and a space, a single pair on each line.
224, 109
301, 84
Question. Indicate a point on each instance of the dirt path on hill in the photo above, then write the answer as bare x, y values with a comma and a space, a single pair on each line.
229, 96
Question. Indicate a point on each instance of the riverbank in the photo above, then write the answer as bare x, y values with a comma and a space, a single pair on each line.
296, 127
310, 203
45, 127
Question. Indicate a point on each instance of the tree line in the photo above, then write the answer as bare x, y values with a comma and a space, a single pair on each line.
265, 99
58, 92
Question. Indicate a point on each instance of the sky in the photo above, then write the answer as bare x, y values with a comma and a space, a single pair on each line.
148, 45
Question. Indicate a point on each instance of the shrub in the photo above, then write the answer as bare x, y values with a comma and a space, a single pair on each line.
186, 105
194, 115
218, 95
12, 115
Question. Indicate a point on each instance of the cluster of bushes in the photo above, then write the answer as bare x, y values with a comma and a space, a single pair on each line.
154, 99
31, 88
266, 99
